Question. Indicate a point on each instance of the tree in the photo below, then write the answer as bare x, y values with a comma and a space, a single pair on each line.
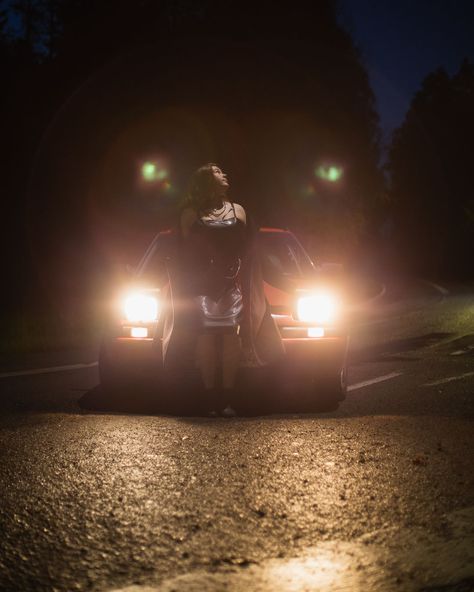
431, 175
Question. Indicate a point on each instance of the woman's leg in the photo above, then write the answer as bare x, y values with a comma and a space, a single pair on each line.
231, 351
206, 358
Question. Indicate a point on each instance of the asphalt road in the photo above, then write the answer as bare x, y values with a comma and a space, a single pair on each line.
376, 496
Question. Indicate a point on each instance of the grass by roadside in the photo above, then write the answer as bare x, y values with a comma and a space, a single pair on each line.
24, 333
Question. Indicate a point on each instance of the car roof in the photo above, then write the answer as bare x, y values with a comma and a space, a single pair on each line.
263, 229
277, 230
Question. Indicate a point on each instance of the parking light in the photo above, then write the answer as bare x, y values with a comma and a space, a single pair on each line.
140, 332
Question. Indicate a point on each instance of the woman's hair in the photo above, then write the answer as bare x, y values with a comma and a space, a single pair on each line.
202, 188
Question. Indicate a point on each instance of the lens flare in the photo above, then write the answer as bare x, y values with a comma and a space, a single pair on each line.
330, 173
308, 191
151, 172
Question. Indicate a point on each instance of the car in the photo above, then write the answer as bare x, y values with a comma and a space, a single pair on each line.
305, 304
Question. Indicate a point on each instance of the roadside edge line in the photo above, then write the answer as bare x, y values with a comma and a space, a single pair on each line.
48, 370
380, 294
450, 379
359, 385
443, 291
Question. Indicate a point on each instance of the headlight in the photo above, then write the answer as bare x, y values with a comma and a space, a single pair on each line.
140, 308
320, 307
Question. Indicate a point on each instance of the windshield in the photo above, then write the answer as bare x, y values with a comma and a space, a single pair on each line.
283, 254
152, 267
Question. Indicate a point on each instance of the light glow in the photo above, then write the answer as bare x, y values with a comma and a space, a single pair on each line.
140, 308
330, 173
316, 332
139, 332
326, 571
319, 307
151, 171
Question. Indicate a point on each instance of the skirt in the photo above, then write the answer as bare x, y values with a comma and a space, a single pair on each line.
225, 312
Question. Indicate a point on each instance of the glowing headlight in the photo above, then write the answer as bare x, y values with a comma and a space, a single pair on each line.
140, 308
321, 307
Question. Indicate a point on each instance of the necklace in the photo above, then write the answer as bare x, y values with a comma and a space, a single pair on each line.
217, 212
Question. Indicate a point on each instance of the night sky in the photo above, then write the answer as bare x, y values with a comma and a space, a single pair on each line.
403, 40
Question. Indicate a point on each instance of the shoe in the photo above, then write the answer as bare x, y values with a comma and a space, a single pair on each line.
228, 412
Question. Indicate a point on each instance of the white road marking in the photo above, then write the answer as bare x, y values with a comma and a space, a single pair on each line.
463, 351
47, 370
377, 296
359, 385
450, 379
441, 289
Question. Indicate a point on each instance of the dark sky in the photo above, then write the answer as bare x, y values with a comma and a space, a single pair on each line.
402, 41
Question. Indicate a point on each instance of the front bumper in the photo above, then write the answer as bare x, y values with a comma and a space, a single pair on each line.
144, 356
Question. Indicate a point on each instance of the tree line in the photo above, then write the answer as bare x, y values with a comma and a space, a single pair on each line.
430, 171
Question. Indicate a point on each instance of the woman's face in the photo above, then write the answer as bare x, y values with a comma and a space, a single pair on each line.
220, 178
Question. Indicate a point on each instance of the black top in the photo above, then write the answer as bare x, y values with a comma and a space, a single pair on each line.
213, 252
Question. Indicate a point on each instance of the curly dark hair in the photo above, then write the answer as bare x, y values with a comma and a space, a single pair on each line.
202, 193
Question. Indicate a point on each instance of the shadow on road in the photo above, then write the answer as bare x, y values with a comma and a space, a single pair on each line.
248, 402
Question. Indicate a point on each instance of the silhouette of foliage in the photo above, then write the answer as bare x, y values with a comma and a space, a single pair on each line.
431, 175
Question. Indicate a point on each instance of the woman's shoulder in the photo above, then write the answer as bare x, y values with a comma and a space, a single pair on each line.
240, 213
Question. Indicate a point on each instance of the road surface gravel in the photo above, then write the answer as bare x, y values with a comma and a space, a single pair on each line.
378, 495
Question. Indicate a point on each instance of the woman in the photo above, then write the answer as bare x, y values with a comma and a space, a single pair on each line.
220, 290
213, 231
